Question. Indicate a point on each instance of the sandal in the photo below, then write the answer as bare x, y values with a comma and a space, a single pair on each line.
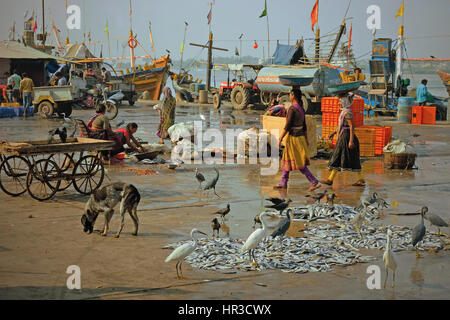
317, 186
360, 183
327, 182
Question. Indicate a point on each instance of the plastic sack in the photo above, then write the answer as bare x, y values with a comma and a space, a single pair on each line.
398, 146
180, 131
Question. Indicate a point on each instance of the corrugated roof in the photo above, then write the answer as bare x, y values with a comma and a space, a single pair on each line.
16, 50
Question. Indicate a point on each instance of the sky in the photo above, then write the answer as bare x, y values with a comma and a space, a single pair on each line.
231, 18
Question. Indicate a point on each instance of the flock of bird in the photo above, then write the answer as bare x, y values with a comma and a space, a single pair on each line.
281, 206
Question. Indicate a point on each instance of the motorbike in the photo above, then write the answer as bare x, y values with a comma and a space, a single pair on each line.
95, 96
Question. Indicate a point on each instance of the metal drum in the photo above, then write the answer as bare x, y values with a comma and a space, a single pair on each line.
404, 113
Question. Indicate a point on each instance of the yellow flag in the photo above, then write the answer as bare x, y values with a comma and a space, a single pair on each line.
182, 48
400, 11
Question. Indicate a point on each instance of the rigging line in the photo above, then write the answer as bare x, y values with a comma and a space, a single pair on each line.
348, 7
409, 63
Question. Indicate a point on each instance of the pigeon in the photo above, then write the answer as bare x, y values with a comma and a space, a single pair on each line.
318, 196
215, 224
281, 206
223, 212
200, 177
330, 198
275, 200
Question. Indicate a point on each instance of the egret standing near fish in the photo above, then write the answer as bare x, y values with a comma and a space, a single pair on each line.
254, 239
390, 259
419, 231
183, 251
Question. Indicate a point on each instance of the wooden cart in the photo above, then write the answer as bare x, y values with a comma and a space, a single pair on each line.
42, 168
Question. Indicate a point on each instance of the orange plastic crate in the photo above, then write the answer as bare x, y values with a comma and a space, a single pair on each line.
383, 136
429, 115
330, 119
417, 115
365, 135
366, 150
330, 104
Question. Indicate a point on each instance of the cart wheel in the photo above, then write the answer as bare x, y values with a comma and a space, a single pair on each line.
111, 110
13, 175
66, 164
88, 174
43, 179
46, 109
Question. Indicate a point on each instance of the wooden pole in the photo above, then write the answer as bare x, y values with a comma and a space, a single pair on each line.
317, 45
43, 24
208, 70
268, 39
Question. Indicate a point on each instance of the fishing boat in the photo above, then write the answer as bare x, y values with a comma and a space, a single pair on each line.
445, 77
150, 78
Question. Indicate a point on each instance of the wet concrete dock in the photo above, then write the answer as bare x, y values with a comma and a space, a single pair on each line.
35, 252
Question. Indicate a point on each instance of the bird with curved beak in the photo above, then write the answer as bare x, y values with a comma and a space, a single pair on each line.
254, 239
215, 224
180, 253
419, 231
389, 258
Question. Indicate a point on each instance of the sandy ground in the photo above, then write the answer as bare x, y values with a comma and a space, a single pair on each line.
39, 240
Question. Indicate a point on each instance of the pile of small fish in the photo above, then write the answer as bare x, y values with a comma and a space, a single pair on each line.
323, 247
339, 212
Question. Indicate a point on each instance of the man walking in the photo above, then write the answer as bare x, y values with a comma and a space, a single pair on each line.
15, 78
26, 90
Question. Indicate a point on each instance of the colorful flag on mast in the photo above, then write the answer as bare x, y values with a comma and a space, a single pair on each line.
400, 11
350, 37
151, 37
209, 16
35, 26
314, 15
264, 13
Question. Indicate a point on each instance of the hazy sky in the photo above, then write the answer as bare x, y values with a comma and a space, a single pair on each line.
232, 17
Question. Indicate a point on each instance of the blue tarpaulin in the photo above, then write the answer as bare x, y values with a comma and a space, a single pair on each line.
286, 55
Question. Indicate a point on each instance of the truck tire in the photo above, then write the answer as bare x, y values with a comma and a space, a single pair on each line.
217, 101
266, 98
65, 108
306, 103
46, 109
240, 97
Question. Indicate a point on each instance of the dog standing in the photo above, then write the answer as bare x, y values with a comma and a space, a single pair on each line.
105, 199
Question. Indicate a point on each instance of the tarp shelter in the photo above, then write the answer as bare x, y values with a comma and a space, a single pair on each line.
286, 55
17, 56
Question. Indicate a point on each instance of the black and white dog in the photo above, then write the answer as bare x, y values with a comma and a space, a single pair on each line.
105, 199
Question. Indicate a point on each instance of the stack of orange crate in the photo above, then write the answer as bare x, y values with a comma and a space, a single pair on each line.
366, 137
331, 111
383, 136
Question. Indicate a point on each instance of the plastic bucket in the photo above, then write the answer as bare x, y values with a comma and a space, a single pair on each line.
404, 112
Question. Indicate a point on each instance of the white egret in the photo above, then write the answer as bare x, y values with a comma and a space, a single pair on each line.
254, 239
389, 258
183, 251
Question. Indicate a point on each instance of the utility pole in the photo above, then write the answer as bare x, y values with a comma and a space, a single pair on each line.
209, 66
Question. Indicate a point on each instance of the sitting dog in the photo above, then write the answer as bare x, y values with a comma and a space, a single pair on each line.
105, 199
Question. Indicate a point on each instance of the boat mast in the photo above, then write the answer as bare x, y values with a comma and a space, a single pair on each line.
131, 47
399, 51
43, 25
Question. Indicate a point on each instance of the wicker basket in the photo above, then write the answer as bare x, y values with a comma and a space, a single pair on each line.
399, 160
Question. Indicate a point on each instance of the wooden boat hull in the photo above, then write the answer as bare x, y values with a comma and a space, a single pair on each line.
151, 79
445, 77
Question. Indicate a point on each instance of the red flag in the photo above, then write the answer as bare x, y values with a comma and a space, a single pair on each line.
209, 16
350, 37
34, 26
314, 14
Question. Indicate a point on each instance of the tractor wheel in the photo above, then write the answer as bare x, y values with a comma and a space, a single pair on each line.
266, 98
217, 101
284, 99
46, 109
240, 97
